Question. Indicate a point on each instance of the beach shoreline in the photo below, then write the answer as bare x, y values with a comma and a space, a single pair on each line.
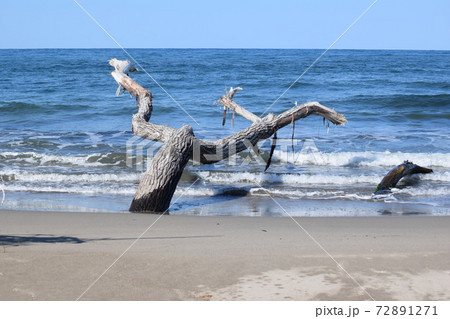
58, 255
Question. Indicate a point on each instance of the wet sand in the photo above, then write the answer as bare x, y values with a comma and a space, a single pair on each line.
58, 255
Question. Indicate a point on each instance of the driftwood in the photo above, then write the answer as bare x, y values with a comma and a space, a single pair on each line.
397, 173
158, 184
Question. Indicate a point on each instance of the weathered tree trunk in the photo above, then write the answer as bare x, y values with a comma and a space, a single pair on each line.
159, 182
163, 174
397, 173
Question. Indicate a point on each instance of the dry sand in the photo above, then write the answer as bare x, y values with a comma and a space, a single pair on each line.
56, 256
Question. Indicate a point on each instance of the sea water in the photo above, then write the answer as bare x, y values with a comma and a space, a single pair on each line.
66, 142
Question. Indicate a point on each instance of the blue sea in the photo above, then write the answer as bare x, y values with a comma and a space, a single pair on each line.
66, 142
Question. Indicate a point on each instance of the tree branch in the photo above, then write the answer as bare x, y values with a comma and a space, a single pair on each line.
211, 152
261, 129
163, 173
227, 102
307, 109
140, 125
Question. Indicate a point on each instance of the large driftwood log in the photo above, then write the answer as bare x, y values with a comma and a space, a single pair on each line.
397, 173
158, 184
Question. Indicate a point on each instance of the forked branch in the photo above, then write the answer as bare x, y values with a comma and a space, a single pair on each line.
210, 152
158, 184
261, 129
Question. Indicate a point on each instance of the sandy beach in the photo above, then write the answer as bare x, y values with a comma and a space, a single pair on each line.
57, 256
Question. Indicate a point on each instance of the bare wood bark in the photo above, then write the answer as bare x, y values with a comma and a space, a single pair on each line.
140, 121
288, 116
158, 184
227, 101
261, 129
397, 173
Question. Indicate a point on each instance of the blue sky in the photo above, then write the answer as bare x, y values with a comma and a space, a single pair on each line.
390, 24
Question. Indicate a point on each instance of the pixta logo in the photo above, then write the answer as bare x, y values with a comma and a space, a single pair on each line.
279, 152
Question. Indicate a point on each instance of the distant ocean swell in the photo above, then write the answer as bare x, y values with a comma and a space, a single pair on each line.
404, 101
396, 102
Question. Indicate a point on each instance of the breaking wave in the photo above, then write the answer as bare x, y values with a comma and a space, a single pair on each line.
292, 179
364, 159
34, 158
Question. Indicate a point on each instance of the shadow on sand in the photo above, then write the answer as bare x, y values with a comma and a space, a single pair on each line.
11, 240
7, 240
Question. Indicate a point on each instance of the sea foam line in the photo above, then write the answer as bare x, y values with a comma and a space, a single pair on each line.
303, 179
46, 159
213, 177
338, 159
363, 159
23, 176
103, 189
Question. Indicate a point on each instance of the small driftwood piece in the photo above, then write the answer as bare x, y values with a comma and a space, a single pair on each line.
397, 173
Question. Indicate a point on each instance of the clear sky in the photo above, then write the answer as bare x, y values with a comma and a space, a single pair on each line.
390, 24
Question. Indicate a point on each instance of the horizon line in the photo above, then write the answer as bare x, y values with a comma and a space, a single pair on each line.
214, 48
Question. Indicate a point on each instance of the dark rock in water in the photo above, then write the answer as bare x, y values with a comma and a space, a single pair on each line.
388, 212
189, 176
236, 192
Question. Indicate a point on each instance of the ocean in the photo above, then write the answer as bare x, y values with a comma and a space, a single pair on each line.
66, 142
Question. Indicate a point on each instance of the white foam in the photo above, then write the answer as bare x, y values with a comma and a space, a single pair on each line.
363, 159
303, 179
181, 191
338, 159
295, 193
23, 176
214, 177
96, 189
43, 159
41, 137
423, 191
78, 189
439, 177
